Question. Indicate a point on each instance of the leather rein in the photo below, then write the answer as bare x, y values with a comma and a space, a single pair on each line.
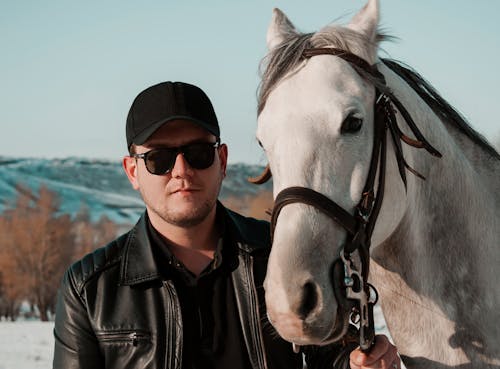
355, 254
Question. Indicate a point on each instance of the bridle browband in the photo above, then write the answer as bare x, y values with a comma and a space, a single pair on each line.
360, 225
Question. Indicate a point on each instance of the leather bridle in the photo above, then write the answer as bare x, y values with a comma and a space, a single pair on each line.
360, 225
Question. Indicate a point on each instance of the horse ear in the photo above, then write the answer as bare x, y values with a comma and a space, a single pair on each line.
279, 30
366, 20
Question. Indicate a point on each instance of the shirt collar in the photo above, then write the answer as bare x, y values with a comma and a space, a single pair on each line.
167, 260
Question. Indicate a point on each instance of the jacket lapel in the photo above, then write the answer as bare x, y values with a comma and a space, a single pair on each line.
138, 264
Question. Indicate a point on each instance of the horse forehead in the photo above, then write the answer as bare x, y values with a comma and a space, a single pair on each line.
330, 73
325, 85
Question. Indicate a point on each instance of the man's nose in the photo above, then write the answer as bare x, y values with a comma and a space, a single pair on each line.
181, 167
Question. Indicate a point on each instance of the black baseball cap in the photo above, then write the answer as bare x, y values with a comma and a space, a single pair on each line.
165, 102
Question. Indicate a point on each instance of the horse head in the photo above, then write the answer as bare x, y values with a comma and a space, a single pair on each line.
316, 126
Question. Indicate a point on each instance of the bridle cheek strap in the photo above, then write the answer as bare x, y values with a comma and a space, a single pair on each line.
359, 228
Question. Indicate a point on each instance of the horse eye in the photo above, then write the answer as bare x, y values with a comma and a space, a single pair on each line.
351, 124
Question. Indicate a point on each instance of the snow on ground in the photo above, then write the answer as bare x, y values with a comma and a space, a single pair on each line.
26, 345
30, 344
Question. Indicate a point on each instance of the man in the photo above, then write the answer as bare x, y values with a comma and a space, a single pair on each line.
183, 288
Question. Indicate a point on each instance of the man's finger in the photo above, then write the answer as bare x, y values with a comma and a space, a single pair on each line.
381, 347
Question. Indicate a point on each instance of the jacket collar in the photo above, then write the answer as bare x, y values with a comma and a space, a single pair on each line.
138, 264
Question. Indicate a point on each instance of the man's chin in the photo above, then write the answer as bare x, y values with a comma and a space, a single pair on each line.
185, 222
186, 216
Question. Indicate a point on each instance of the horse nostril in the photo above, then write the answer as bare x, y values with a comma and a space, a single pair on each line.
309, 300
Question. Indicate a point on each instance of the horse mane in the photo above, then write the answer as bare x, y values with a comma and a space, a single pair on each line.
438, 104
287, 56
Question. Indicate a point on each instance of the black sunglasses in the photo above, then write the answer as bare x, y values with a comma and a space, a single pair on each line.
199, 155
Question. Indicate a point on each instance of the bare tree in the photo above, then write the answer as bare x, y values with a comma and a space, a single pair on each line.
13, 280
10, 293
36, 249
238, 204
257, 206
261, 205
37, 245
88, 236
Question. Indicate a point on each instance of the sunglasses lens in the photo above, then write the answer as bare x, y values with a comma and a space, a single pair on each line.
160, 161
199, 155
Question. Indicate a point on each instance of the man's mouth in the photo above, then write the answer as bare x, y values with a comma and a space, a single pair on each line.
185, 190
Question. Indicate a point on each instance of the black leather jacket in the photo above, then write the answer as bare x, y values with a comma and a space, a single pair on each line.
115, 310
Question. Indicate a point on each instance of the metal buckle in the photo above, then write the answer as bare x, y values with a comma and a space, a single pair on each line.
380, 97
356, 290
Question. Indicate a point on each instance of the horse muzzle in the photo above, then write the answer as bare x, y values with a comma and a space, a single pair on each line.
302, 310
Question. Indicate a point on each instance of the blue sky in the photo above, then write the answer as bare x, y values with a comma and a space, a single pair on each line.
69, 70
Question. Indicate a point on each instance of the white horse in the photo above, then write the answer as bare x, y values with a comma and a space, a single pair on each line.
435, 247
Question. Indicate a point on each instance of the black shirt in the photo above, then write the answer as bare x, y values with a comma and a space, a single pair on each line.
212, 334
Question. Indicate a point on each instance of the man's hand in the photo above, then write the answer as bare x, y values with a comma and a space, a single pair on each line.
383, 355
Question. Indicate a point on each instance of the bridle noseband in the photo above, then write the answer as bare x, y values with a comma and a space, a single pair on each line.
359, 226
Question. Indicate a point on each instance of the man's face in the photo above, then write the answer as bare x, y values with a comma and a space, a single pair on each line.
184, 196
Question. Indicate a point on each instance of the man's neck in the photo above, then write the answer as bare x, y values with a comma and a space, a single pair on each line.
193, 246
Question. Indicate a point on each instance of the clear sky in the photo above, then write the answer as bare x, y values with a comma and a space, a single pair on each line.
69, 70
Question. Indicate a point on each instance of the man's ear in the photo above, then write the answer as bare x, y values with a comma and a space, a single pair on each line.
130, 166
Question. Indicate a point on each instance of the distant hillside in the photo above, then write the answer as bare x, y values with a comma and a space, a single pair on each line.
99, 185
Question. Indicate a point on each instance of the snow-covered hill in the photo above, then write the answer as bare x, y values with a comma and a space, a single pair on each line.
99, 185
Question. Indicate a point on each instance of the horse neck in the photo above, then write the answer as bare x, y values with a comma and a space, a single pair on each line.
465, 179
444, 253
451, 223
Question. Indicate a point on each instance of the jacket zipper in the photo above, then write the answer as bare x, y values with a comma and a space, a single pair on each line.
126, 336
174, 340
255, 321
